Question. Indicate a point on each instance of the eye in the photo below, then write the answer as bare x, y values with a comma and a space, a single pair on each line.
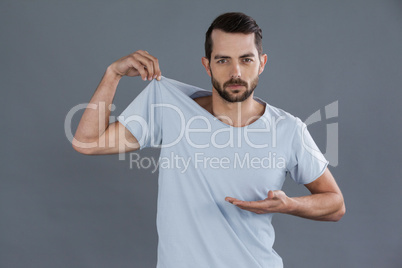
222, 61
247, 60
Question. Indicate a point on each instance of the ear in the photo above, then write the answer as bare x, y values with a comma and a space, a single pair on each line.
263, 61
205, 63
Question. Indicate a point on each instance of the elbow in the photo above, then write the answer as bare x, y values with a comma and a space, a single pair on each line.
81, 150
337, 216
79, 147
340, 212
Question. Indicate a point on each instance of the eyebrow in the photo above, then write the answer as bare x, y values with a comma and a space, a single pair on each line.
221, 57
247, 55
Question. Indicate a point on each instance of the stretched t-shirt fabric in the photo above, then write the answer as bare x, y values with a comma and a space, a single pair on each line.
202, 161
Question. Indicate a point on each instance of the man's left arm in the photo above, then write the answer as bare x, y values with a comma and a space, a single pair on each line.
324, 204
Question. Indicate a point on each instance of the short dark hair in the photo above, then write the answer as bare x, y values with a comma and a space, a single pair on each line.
234, 22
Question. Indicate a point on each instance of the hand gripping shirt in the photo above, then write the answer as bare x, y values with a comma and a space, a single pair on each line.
203, 160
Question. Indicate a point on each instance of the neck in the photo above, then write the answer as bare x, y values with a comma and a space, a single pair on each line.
236, 114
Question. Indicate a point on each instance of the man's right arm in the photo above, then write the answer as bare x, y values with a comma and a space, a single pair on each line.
94, 134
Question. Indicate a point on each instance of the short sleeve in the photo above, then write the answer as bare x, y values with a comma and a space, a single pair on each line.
143, 118
307, 163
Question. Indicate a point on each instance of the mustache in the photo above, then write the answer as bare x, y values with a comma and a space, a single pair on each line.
237, 81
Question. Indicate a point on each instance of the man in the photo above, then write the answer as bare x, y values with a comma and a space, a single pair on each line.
229, 152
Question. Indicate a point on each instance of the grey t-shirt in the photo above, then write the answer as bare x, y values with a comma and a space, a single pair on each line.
202, 161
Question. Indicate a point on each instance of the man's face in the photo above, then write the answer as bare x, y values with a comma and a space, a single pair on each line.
234, 66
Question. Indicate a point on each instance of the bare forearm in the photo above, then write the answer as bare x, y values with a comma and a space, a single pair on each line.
321, 207
324, 204
95, 119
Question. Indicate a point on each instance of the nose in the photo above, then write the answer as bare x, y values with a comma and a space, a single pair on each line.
235, 72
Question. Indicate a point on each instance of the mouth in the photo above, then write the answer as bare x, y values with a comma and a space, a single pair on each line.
235, 86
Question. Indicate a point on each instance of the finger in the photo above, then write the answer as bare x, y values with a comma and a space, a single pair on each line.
248, 204
147, 63
231, 199
271, 195
134, 63
152, 65
157, 71
251, 209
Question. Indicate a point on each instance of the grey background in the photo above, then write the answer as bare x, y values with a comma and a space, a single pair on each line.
62, 209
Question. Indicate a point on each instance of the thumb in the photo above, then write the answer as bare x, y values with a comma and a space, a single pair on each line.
271, 195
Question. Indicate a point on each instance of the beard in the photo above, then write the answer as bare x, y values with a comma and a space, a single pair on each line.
228, 96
